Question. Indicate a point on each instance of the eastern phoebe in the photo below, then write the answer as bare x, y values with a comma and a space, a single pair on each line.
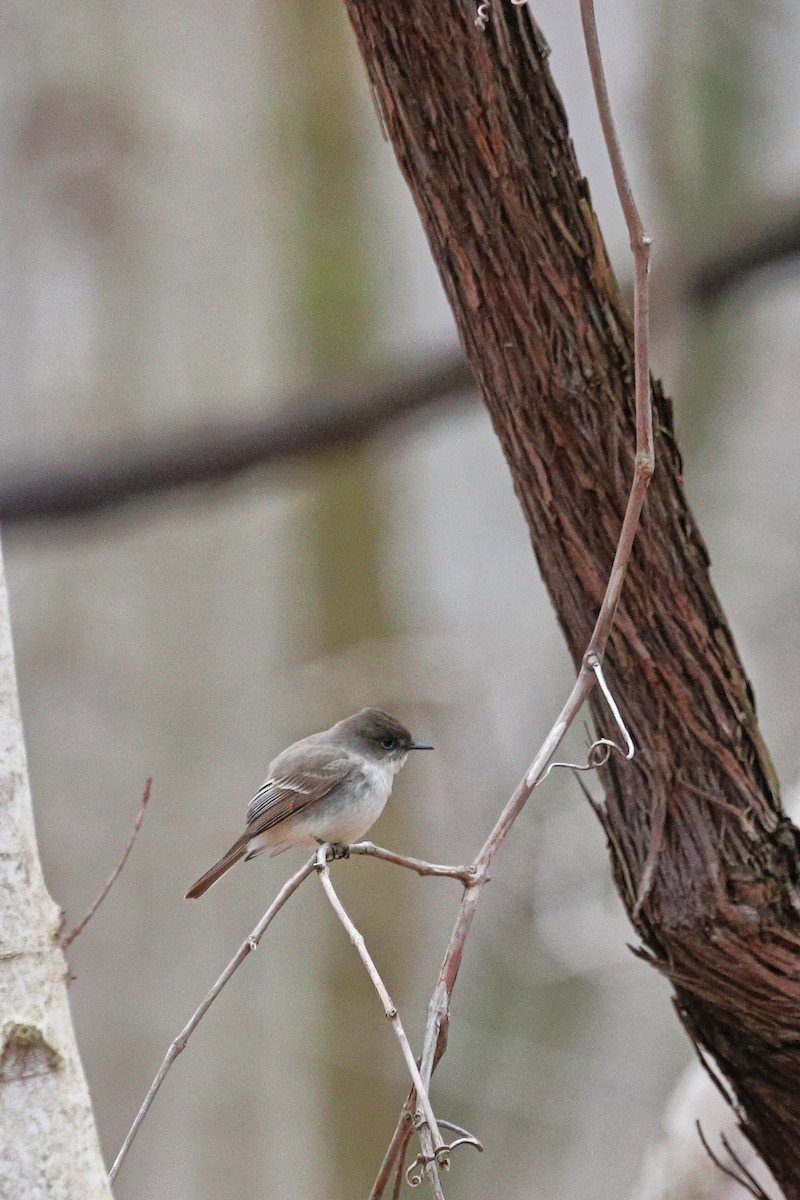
329, 787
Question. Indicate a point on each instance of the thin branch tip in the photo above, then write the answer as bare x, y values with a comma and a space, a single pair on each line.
69, 938
743, 1176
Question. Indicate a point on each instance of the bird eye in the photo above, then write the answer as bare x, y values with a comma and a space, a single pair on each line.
389, 743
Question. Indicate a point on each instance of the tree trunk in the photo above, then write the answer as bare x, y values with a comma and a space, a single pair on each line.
48, 1142
703, 857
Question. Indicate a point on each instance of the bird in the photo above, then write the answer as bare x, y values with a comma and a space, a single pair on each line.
329, 787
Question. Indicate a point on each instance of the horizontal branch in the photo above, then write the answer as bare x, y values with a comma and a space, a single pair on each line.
314, 420
754, 247
467, 875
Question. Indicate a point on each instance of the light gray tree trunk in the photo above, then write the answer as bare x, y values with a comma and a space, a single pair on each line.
48, 1141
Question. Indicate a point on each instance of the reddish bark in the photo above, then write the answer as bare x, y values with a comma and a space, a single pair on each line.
704, 859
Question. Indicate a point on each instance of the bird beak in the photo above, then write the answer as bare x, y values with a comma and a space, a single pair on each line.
420, 746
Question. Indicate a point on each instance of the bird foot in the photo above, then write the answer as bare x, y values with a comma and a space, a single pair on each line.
336, 850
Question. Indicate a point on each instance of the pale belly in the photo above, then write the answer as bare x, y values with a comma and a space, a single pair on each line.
344, 816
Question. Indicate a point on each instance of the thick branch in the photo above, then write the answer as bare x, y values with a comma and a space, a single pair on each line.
699, 844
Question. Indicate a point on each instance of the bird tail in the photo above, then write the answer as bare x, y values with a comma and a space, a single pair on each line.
211, 876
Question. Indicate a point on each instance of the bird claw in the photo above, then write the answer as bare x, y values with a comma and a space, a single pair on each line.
334, 850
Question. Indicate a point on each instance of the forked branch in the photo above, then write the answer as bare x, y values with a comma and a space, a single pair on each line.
288, 889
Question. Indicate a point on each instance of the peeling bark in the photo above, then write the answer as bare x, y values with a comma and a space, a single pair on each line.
48, 1142
703, 856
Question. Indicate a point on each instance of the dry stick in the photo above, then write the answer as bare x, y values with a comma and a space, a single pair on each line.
395, 1152
640, 247
179, 1044
398, 1179
644, 463
69, 938
465, 874
380, 987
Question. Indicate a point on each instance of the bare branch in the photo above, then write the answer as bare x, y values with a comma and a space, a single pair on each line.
395, 1152
388, 1005
640, 247
315, 419
753, 247
180, 1041
303, 424
69, 938
465, 874
400, 1174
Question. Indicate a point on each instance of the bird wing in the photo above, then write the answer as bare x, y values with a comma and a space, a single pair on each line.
287, 792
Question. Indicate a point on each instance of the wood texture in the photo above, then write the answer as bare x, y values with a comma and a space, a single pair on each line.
703, 857
48, 1141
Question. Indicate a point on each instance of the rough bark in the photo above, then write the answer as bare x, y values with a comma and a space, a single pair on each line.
48, 1142
703, 856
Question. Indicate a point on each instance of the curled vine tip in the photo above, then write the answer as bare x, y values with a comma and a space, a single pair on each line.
601, 750
441, 1156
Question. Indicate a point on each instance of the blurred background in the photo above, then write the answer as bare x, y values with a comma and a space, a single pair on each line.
198, 217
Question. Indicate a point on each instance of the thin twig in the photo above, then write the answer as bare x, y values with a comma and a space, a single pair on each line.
465, 874
400, 1173
747, 1174
69, 938
380, 987
644, 462
179, 1044
439, 1007
601, 749
395, 1151
745, 1179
